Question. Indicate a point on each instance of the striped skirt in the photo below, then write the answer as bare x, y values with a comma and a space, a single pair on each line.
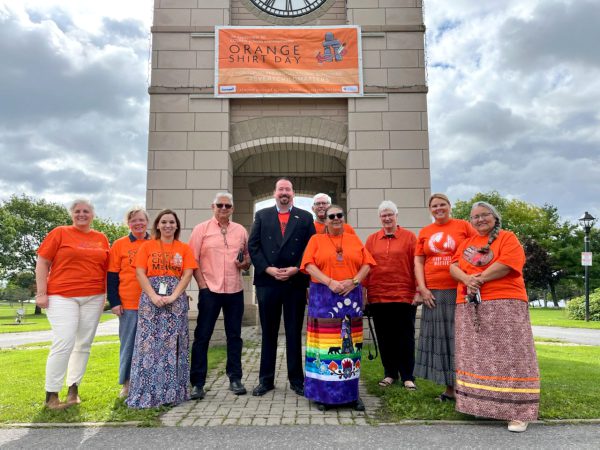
334, 339
497, 373
435, 350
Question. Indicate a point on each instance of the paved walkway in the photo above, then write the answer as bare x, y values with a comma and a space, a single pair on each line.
9, 340
583, 336
282, 406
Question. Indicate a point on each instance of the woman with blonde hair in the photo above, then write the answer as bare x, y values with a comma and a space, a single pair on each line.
70, 276
123, 289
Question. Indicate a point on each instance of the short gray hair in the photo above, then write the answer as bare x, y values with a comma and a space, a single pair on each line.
321, 194
388, 204
81, 201
133, 211
223, 194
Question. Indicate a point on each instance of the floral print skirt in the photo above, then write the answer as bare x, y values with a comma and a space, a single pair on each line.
160, 367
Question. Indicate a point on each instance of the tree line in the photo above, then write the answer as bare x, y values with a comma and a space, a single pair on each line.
552, 246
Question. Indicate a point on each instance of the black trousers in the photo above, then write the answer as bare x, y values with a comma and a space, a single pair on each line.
271, 301
209, 307
395, 328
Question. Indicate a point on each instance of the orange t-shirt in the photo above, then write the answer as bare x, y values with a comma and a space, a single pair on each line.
321, 251
177, 255
320, 228
284, 218
79, 261
438, 243
507, 250
121, 261
393, 279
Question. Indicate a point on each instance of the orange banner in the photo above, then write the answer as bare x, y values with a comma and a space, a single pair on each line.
288, 61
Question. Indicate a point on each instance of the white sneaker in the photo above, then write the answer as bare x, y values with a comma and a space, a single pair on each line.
517, 426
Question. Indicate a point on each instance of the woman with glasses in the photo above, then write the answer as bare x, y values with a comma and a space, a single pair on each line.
391, 293
497, 374
436, 244
160, 363
337, 263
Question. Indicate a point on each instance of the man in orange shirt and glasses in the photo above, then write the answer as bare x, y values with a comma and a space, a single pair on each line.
220, 247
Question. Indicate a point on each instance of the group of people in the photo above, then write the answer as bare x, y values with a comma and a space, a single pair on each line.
475, 336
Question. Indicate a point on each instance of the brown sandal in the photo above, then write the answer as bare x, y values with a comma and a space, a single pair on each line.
386, 382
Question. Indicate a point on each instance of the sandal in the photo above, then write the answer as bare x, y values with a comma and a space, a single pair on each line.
387, 381
410, 386
443, 397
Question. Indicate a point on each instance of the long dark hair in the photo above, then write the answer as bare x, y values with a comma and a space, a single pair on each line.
156, 231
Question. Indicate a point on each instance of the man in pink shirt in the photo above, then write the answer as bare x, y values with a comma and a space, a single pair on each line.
220, 247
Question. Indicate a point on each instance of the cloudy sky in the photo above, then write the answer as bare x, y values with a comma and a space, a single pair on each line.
513, 103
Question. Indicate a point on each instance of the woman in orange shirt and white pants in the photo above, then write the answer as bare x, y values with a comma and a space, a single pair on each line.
497, 374
70, 277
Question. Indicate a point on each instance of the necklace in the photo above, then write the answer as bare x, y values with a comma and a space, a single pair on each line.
339, 250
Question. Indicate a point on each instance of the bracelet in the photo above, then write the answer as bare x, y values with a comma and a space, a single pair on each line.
40, 294
329, 282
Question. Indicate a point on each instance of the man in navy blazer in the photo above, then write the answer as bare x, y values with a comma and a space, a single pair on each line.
276, 244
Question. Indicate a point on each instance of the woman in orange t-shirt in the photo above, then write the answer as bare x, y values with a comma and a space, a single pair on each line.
497, 373
436, 244
123, 288
70, 277
337, 263
160, 366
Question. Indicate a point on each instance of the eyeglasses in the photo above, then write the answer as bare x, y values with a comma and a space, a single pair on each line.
223, 205
333, 216
481, 216
321, 204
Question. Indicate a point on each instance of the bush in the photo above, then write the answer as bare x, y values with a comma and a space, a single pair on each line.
576, 307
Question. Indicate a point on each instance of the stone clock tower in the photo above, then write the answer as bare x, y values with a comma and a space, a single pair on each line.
359, 150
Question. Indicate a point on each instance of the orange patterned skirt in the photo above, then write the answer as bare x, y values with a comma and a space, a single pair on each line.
497, 374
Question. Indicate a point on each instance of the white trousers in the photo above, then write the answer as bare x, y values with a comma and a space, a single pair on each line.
74, 321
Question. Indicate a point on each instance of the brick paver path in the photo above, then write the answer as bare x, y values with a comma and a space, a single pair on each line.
281, 406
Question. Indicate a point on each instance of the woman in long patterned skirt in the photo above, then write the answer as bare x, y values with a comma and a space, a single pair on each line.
497, 374
337, 263
160, 363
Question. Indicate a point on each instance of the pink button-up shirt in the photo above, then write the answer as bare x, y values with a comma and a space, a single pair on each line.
216, 253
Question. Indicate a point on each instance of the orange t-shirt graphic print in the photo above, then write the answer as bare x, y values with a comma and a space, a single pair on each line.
438, 244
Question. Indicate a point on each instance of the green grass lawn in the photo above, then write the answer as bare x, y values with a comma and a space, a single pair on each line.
570, 388
31, 322
557, 317
22, 393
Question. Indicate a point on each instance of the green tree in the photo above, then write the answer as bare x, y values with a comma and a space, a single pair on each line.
24, 222
112, 230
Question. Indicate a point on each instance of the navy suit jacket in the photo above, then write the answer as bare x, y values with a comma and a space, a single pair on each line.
268, 248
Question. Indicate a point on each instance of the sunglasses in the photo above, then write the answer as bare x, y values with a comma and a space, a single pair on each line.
333, 216
223, 205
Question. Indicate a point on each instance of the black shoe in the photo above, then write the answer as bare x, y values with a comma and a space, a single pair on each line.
321, 406
261, 390
359, 405
237, 387
298, 389
198, 393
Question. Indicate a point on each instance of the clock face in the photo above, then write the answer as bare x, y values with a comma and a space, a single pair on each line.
288, 8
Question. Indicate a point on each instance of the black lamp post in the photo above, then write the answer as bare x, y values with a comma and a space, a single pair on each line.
587, 222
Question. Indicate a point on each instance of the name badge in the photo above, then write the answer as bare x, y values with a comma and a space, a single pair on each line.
162, 288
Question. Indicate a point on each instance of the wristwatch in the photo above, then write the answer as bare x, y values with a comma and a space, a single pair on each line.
355, 282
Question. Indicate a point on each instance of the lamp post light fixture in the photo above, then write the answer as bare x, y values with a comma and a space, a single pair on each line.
587, 221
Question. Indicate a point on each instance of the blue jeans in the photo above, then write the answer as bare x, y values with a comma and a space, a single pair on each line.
209, 307
127, 329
